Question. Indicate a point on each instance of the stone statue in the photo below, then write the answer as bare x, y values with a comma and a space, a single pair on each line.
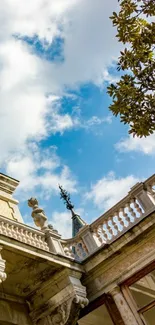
37, 214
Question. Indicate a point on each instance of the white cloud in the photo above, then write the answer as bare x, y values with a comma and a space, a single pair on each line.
95, 120
39, 173
109, 190
26, 112
62, 222
145, 145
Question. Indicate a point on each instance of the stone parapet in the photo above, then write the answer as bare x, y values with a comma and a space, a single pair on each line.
127, 213
23, 233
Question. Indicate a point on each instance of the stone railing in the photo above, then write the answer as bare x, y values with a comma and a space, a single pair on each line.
133, 208
139, 202
23, 233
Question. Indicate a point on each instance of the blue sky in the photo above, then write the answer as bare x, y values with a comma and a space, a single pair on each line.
56, 59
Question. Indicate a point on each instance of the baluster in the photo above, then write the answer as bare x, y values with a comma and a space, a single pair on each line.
46, 247
115, 224
126, 217
9, 233
104, 232
131, 211
19, 237
13, 232
98, 233
9, 230
40, 241
36, 240
17, 233
23, 235
120, 220
4, 229
107, 230
28, 238
137, 208
31, 238
109, 227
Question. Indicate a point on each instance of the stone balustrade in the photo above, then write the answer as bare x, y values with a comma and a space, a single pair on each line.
23, 233
115, 222
139, 203
75, 248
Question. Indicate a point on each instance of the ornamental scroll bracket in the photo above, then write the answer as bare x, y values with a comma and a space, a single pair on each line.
65, 314
64, 307
2, 267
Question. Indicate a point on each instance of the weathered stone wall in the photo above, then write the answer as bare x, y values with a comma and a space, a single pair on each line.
121, 259
14, 313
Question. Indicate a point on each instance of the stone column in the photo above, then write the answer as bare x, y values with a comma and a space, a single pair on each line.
123, 307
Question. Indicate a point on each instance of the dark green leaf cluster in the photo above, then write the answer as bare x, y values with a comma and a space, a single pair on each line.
134, 94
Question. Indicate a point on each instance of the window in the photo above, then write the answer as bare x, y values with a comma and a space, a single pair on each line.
98, 316
142, 293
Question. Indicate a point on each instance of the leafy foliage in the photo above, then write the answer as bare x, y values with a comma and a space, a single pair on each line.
134, 94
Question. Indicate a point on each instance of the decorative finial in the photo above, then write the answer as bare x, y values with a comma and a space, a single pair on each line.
65, 196
37, 214
77, 222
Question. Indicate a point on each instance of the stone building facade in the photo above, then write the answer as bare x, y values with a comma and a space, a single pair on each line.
105, 275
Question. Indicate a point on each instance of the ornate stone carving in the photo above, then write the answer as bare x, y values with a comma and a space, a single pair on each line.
37, 214
63, 307
2, 268
60, 316
65, 314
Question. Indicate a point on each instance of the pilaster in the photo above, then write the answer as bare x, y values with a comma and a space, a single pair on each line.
123, 307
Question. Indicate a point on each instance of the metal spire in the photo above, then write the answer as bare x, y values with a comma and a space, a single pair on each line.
77, 222
65, 196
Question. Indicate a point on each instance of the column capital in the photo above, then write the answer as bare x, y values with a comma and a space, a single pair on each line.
115, 290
